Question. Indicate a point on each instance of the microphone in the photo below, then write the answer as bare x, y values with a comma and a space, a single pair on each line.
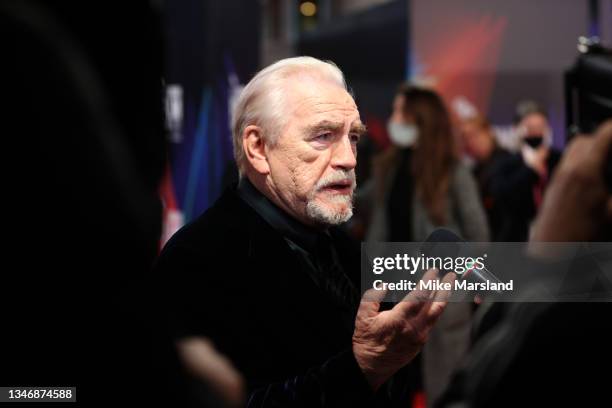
445, 243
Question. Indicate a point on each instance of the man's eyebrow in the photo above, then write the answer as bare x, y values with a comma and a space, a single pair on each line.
327, 125
324, 125
359, 128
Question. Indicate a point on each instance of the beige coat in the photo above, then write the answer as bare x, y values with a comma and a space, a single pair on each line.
449, 340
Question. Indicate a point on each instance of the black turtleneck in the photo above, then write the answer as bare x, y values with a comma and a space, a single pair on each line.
313, 247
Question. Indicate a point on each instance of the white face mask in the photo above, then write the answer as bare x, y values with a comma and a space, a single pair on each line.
402, 135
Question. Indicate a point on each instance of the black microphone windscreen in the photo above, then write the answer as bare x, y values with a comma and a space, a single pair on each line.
444, 235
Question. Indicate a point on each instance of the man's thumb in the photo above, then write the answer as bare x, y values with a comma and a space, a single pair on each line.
370, 302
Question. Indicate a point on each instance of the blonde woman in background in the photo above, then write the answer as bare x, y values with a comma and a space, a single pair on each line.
418, 185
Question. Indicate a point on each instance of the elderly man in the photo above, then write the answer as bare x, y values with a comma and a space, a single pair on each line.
266, 276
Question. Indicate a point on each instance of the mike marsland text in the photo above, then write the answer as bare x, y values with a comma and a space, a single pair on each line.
436, 284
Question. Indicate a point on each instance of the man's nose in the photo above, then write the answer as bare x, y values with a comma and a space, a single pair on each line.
344, 155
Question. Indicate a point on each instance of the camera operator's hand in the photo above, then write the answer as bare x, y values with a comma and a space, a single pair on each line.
578, 204
200, 359
384, 342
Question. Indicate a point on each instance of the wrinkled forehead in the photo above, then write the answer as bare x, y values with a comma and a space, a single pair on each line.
309, 97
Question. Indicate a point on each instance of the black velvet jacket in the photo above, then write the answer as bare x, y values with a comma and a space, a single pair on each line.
233, 278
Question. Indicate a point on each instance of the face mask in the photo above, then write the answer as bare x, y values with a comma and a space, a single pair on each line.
534, 141
402, 135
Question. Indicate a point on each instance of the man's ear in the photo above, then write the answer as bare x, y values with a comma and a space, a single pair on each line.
255, 149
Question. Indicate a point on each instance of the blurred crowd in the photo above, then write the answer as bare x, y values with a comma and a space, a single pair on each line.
447, 170
443, 169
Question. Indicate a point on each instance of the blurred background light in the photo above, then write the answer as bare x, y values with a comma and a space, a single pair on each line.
308, 9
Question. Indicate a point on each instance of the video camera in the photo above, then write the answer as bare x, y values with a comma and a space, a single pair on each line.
588, 92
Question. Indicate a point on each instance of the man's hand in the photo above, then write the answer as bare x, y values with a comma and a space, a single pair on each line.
578, 204
384, 342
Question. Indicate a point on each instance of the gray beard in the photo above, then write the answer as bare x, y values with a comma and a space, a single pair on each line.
322, 214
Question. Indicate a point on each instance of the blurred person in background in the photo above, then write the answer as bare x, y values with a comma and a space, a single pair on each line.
480, 145
519, 181
543, 353
419, 185
84, 126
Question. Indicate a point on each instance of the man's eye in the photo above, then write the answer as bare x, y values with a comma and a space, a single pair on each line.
325, 137
354, 137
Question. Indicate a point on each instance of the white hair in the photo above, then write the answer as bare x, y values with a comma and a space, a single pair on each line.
262, 101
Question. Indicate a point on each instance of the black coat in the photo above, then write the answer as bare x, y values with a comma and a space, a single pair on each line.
512, 188
536, 355
229, 276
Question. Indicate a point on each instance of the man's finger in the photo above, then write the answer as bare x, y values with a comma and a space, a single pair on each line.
414, 301
421, 294
603, 136
435, 307
448, 281
434, 311
600, 144
370, 302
